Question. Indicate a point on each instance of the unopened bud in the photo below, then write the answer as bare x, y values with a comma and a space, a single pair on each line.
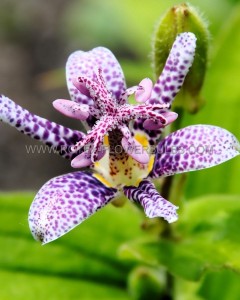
183, 18
146, 283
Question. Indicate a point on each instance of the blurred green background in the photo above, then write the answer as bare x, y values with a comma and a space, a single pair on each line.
35, 41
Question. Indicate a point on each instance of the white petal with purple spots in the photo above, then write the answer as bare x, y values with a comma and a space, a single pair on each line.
154, 205
179, 61
194, 148
50, 133
86, 64
64, 202
170, 81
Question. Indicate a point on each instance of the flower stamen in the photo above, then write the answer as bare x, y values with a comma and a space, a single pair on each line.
112, 115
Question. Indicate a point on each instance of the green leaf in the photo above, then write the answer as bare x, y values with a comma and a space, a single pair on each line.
210, 287
162, 252
206, 238
212, 283
83, 264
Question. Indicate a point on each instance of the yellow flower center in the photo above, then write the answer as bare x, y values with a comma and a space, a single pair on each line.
118, 169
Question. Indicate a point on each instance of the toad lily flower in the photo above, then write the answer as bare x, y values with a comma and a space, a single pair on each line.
119, 136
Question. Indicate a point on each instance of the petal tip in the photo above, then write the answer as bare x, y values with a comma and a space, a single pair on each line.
169, 214
81, 161
64, 202
135, 150
71, 109
142, 95
173, 218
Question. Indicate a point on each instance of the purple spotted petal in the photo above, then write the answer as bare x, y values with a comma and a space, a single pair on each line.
171, 80
153, 204
64, 202
87, 64
193, 148
177, 66
50, 133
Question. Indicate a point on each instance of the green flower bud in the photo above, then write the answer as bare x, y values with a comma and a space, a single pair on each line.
183, 18
146, 283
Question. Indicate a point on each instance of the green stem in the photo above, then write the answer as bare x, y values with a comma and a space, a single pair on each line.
172, 187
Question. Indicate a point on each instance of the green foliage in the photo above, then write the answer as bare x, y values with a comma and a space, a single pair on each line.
206, 238
222, 93
220, 285
85, 261
81, 265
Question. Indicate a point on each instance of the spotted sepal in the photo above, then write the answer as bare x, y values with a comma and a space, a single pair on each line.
154, 205
179, 61
193, 148
58, 137
64, 202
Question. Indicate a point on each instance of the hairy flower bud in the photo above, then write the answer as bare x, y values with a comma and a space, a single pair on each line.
183, 18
